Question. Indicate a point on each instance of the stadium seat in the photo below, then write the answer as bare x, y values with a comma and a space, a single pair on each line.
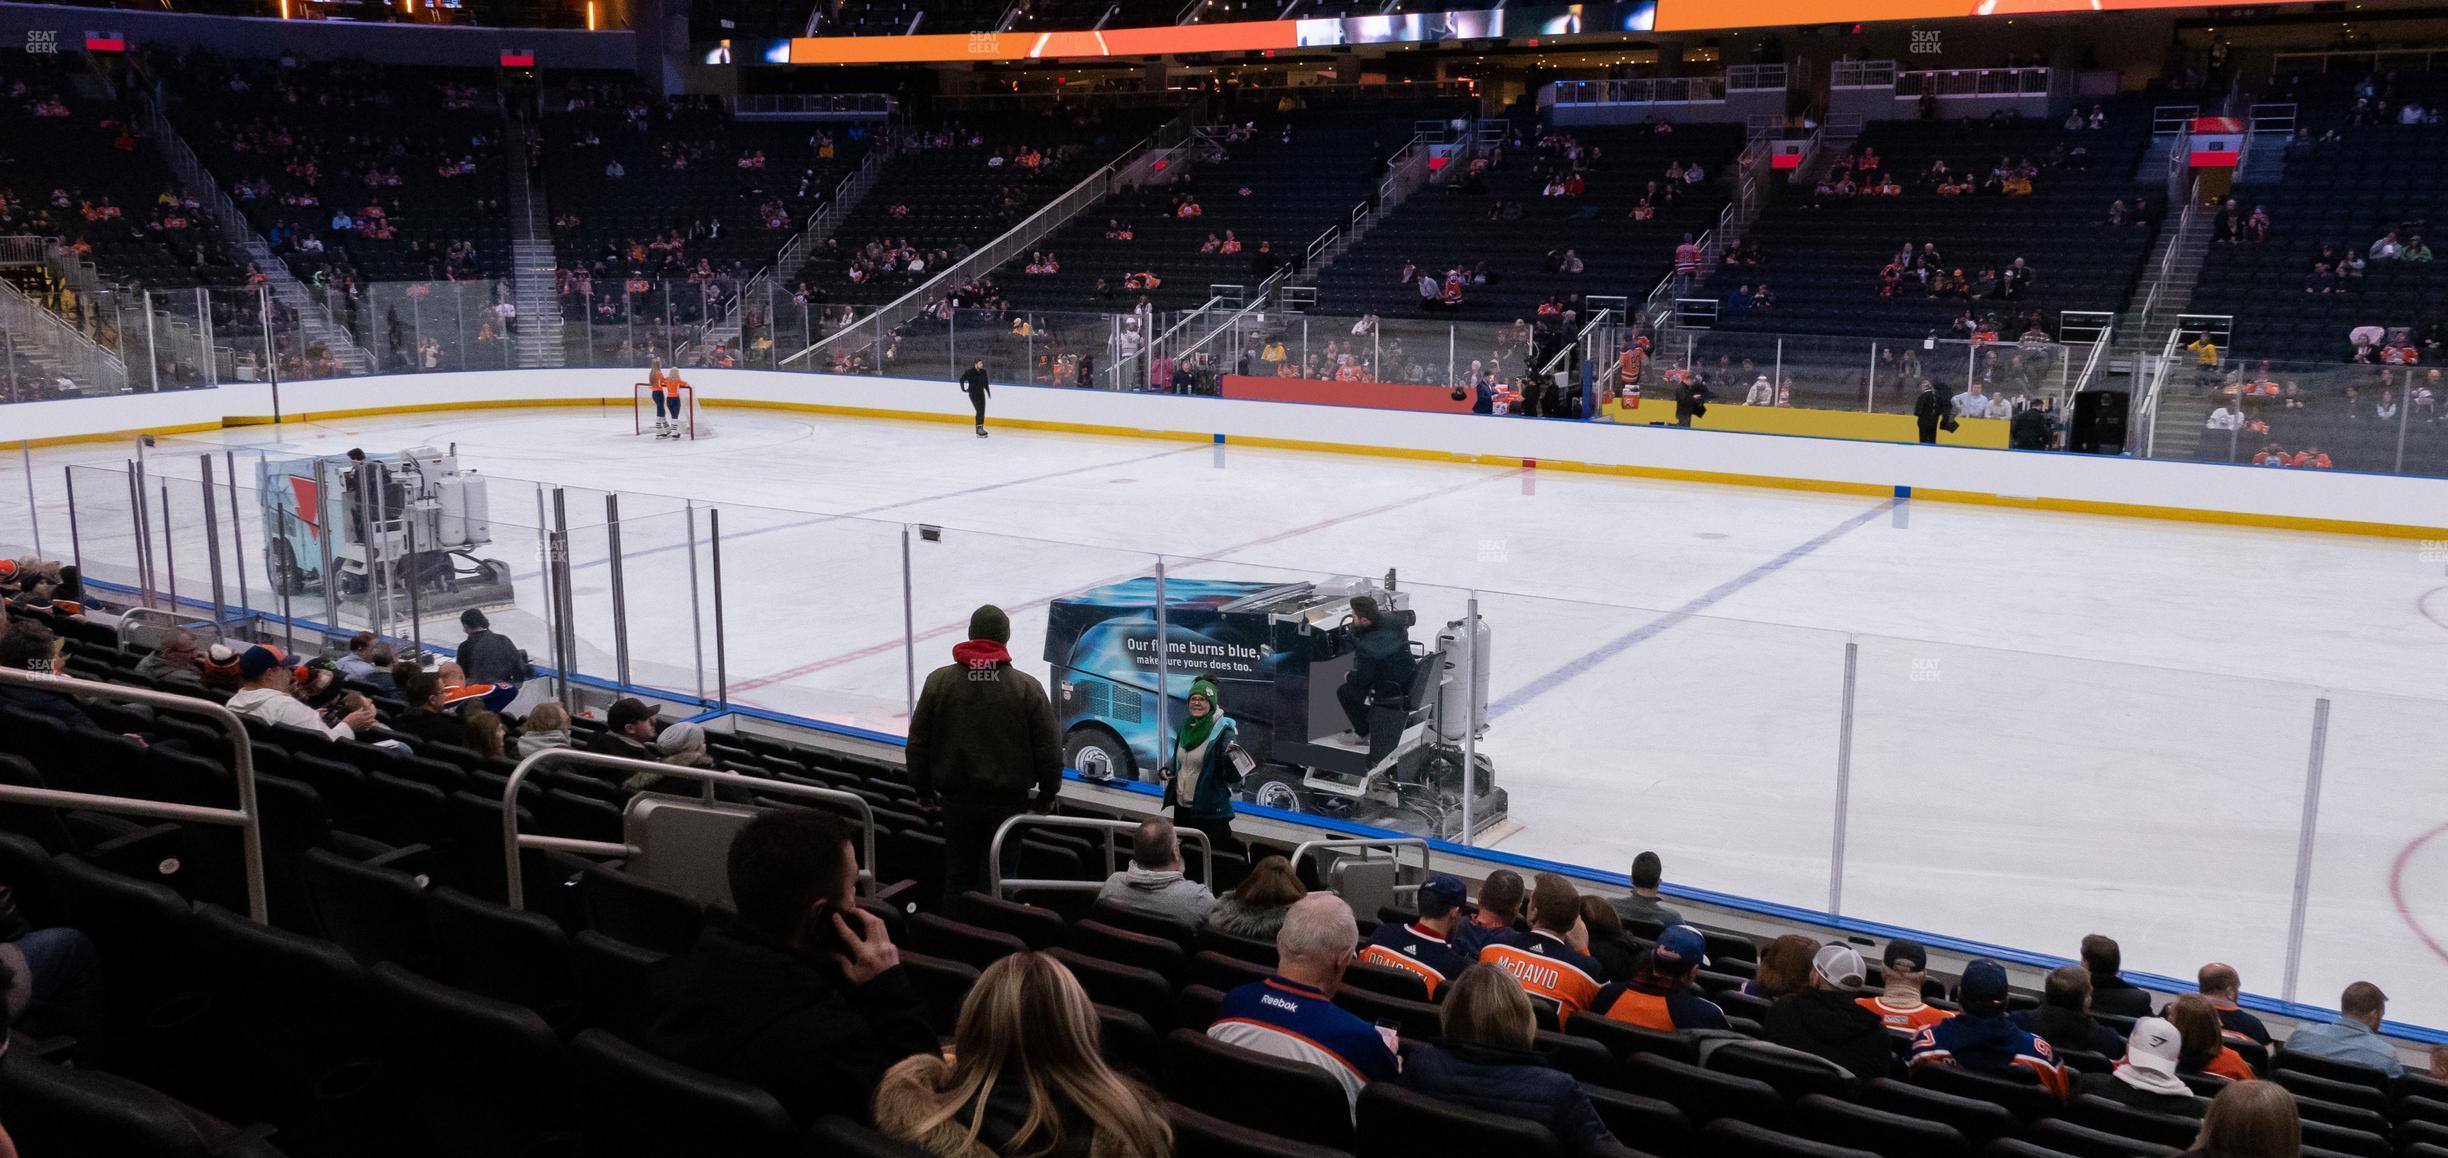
1792, 1072
943, 983
2345, 1140
1160, 955
1980, 1122
2025, 1099
1130, 1043
1141, 991
1828, 1119
54, 1109
1302, 1101
1397, 1123
1413, 1019
611, 981
958, 941
1626, 1040
497, 951
1705, 1095
1214, 940
1585, 1060
1038, 928
145, 936
377, 914
632, 1104
2344, 1116
1147, 924
287, 1041
1737, 1139
2065, 1137
625, 908
1197, 1135
2113, 1117
2353, 1090
1195, 1006
1655, 1123
463, 1069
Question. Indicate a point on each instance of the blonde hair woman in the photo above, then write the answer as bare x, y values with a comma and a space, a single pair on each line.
2250, 1120
1031, 1080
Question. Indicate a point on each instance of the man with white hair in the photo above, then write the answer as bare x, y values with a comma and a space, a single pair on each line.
1292, 1014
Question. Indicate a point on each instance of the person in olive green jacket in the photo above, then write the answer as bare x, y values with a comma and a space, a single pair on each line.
981, 738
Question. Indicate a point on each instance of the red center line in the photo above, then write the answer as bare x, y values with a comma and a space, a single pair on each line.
887, 647
2397, 892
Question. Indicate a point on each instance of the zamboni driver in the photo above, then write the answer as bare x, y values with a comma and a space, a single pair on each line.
1382, 668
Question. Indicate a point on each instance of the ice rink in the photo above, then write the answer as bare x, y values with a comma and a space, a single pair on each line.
2062, 723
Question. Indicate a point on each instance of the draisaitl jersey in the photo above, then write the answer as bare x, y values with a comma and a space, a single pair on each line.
1415, 949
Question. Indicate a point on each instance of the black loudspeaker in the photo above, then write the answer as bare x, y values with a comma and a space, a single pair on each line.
2099, 422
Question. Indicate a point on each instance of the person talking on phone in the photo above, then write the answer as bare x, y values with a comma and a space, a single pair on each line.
804, 996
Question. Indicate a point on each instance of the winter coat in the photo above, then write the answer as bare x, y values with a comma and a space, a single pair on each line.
490, 658
1516, 1083
984, 729
1255, 923
1382, 663
530, 743
1217, 780
2066, 1028
1831, 1024
746, 1008
1158, 893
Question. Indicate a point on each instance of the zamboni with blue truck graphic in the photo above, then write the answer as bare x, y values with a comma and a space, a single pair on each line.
1276, 652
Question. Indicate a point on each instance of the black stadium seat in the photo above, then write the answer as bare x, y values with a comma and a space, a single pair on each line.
2084, 1142
1843, 1123
632, 1104
288, 1034
2118, 1118
625, 908
1978, 1121
1039, 928
1141, 991
377, 914
54, 1109
2025, 1099
1655, 1123
1705, 1095
1397, 1123
1793, 1074
835, 1135
1197, 1135
501, 952
463, 1068
1625, 1040
959, 941
942, 983
612, 981
1161, 955
1302, 1101
1735, 1139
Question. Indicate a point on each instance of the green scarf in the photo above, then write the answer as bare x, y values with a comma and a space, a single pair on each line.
1196, 729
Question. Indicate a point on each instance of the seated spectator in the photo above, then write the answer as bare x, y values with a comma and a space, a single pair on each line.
174, 660
1423, 948
1500, 904
29, 646
1827, 1020
1551, 960
487, 735
1784, 967
2355, 1035
1488, 1061
2205, 1045
2145, 1078
52, 978
1982, 1040
803, 993
1255, 908
1153, 884
1027, 1076
2110, 992
265, 695
2415, 250
1900, 1006
429, 717
1664, 996
630, 729
220, 668
2388, 248
368, 661
1618, 953
1643, 903
2250, 1120
2220, 986
545, 728
2064, 1016
1292, 1014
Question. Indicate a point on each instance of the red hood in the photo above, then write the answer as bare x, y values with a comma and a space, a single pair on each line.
978, 653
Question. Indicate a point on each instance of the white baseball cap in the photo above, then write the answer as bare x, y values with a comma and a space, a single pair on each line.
2150, 1057
1840, 965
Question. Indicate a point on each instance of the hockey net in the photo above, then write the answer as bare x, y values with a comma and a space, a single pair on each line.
688, 424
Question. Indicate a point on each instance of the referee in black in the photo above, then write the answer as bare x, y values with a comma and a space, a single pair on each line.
974, 385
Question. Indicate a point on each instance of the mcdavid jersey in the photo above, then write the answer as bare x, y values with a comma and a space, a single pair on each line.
1547, 967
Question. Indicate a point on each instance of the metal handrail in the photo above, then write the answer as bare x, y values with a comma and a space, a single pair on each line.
246, 818
994, 853
1393, 845
2150, 397
514, 872
169, 618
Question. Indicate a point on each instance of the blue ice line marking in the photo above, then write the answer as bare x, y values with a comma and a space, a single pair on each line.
815, 520
1579, 665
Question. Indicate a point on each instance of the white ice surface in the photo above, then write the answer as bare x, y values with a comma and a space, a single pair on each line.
2062, 724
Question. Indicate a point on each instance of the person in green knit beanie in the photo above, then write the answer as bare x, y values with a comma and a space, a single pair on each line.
1202, 778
